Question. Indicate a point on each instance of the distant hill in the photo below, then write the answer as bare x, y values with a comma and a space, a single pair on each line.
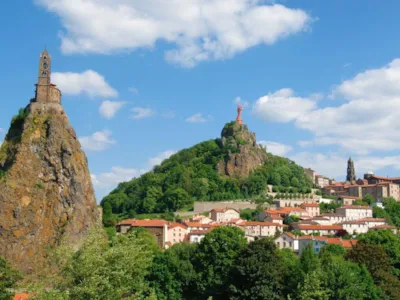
231, 167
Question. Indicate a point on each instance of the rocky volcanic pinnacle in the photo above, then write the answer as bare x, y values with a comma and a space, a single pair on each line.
244, 154
46, 193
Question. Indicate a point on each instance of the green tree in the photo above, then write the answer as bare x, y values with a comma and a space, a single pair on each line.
275, 179
308, 260
347, 280
295, 182
214, 258
257, 272
369, 199
172, 274
378, 264
312, 287
98, 271
389, 241
8, 279
108, 217
291, 271
333, 249
176, 199
285, 180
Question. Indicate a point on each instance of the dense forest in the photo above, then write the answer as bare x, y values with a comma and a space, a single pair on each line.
191, 175
221, 266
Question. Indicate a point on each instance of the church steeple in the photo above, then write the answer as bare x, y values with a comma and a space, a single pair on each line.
46, 92
44, 68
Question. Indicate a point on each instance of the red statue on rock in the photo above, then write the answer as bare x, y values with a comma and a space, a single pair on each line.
239, 117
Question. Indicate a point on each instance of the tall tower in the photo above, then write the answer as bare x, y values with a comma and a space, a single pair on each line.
351, 173
43, 85
46, 92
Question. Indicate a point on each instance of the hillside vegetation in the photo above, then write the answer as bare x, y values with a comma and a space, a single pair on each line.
191, 175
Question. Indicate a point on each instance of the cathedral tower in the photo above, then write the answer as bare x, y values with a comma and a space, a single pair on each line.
351, 173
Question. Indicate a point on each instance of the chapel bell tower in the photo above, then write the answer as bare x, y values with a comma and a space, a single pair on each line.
46, 92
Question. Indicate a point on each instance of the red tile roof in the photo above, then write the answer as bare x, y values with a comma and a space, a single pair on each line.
319, 227
384, 227
200, 232
373, 220
291, 235
223, 209
355, 207
309, 205
253, 223
173, 225
349, 243
197, 224
21, 296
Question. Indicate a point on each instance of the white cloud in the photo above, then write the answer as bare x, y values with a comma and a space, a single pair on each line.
200, 29
282, 106
199, 118
109, 180
330, 164
334, 165
89, 82
368, 121
108, 109
276, 148
98, 141
157, 160
373, 84
141, 113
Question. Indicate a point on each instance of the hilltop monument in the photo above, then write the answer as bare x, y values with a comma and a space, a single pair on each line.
239, 116
46, 193
243, 153
351, 173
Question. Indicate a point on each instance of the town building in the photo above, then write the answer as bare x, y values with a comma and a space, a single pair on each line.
355, 212
261, 229
158, 228
283, 212
177, 233
311, 208
287, 240
348, 200
293, 202
318, 242
355, 227
196, 236
275, 218
317, 229
224, 214
334, 218
322, 181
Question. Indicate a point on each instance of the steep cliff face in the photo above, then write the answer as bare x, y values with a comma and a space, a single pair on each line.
46, 192
243, 152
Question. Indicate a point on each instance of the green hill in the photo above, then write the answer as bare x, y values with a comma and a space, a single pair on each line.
233, 167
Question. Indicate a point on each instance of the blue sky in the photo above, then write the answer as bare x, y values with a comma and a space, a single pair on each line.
142, 79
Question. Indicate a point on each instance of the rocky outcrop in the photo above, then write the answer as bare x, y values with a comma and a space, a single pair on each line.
46, 193
243, 154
